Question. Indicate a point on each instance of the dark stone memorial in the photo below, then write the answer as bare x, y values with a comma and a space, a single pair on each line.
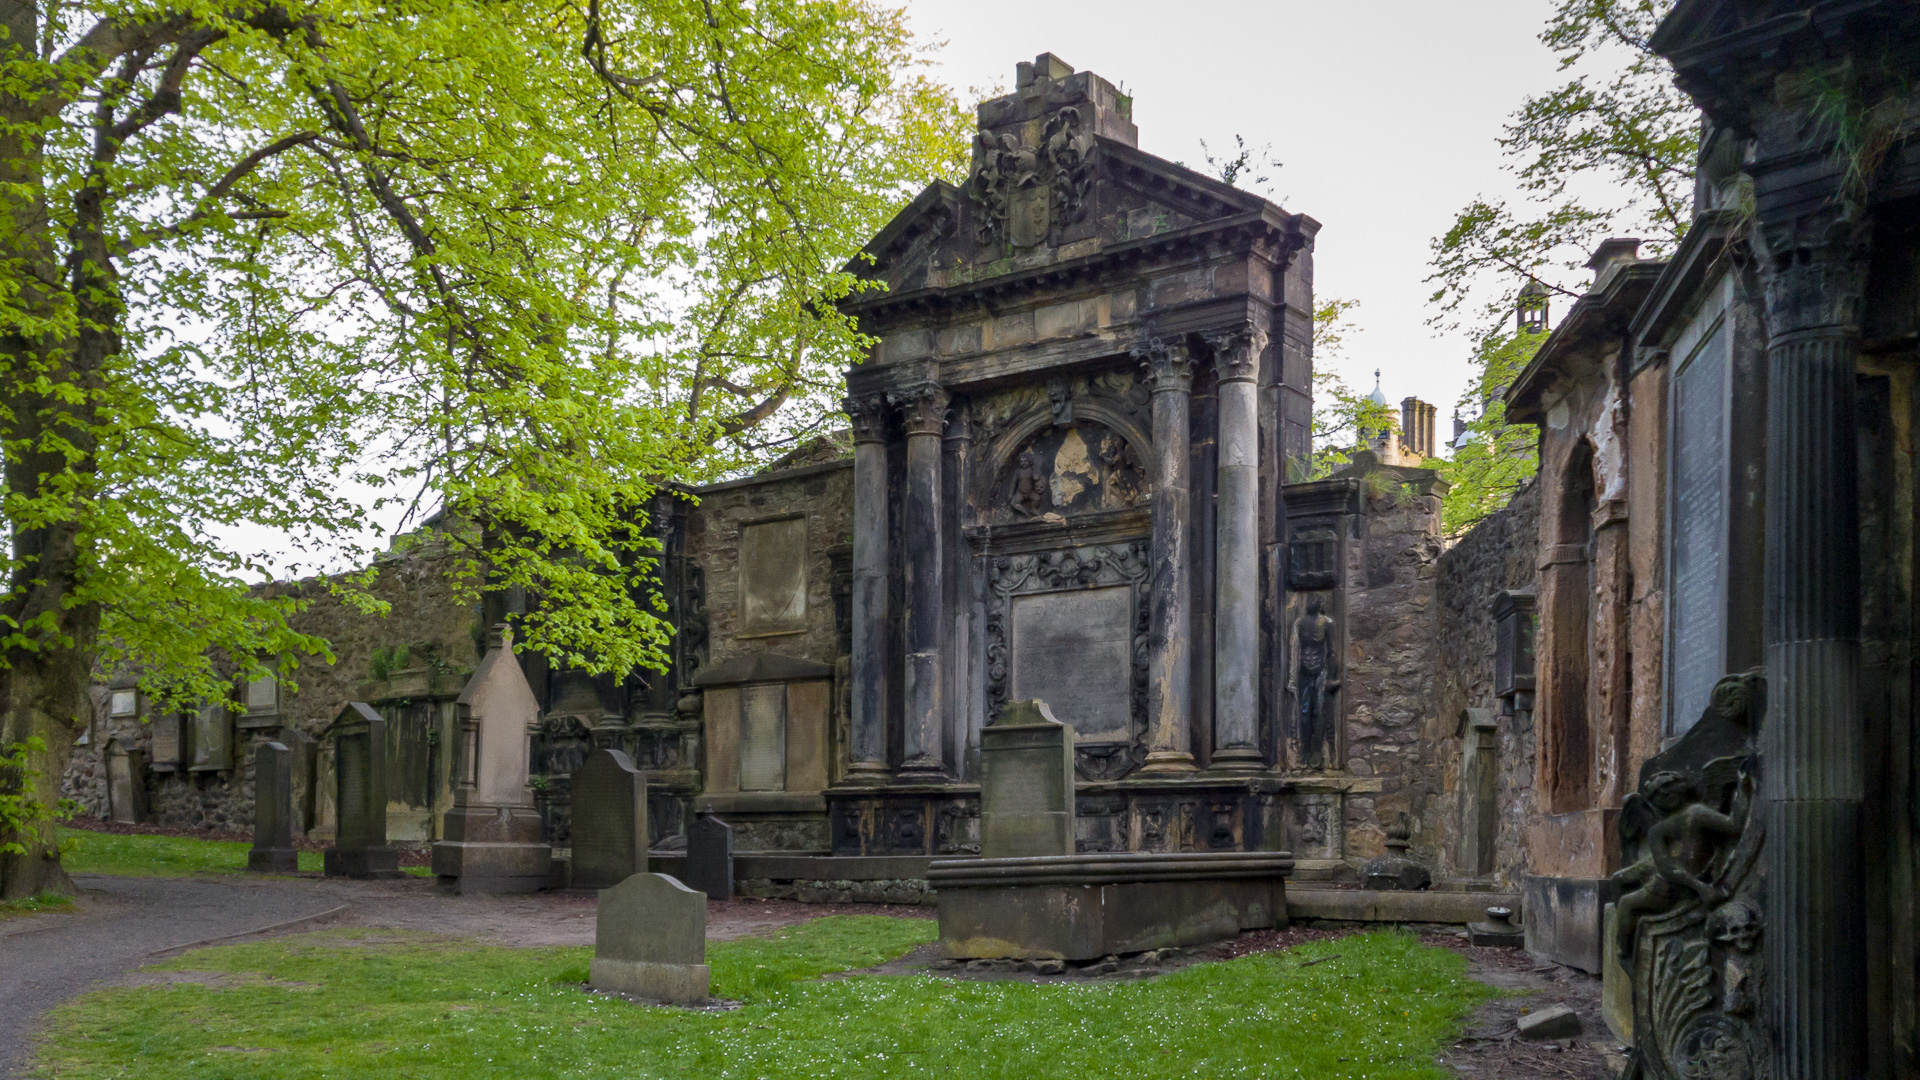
272, 851
710, 856
609, 821
360, 848
1026, 783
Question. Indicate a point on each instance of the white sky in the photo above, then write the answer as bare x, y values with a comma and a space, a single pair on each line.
1384, 115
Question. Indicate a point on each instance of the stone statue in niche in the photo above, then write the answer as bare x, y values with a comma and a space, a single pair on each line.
1313, 682
1030, 489
1687, 925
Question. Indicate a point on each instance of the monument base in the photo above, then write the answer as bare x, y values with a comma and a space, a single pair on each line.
493, 849
1082, 907
375, 863
278, 860
675, 984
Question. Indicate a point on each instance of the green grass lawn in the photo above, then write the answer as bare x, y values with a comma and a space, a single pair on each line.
166, 856
33, 905
374, 1005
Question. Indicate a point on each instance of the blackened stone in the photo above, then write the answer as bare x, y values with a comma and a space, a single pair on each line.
710, 856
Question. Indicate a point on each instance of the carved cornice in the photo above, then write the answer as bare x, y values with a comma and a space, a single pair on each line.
1814, 269
1167, 365
923, 408
1236, 352
869, 415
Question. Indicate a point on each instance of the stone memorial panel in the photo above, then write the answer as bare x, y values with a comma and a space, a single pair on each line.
1026, 783
212, 742
272, 851
773, 577
650, 940
1697, 636
168, 745
710, 856
1074, 650
609, 821
763, 738
126, 787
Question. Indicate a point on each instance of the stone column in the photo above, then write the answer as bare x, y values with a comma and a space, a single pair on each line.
1812, 776
1169, 373
869, 647
923, 412
1236, 564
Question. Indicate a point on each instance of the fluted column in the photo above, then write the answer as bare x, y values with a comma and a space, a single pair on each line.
923, 411
869, 660
1236, 564
1812, 776
1169, 374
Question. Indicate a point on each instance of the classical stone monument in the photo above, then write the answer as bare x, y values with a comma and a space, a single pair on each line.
493, 836
650, 940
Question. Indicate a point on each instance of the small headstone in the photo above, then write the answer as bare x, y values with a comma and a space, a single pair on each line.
126, 787
650, 940
609, 821
1552, 1022
272, 851
494, 838
710, 856
360, 848
1026, 783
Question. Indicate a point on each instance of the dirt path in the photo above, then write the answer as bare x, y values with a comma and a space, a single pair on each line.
119, 922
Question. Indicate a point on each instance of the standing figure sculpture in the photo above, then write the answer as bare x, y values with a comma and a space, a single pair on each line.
1313, 681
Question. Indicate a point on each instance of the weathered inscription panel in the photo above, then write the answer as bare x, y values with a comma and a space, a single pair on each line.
1073, 651
773, 577
763, 737
1698, 642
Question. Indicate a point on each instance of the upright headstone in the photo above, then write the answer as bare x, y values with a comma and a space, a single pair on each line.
360, 849
126, 784
494, 838
1026, 783
609, 821
710, 856
272, 851
302, 755
650, 940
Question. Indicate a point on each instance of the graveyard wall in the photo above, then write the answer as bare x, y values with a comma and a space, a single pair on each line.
425, 628
1500, 553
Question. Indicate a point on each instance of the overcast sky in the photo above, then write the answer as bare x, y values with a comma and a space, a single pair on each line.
1384, 115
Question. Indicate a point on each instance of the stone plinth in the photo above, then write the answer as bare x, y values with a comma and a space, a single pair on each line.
1080, 907
360, 848
1026, 783
609, 821
650, 940
493, 833
272, 851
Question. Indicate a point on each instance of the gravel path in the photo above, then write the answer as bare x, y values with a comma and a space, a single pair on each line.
119, 922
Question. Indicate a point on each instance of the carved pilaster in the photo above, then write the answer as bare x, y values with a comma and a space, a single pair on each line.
868, 659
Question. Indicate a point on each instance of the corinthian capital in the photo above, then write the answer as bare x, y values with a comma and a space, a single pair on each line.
1814, 268
1167, 364
1236, 352
869, 415
923, 408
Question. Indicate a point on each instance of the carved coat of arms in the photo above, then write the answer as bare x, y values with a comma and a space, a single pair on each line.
1021, 192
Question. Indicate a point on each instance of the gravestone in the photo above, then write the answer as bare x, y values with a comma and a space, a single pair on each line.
710, 856
1026, 783
609, 821
493, 835
302, 755
126, 787
360, 848
650, 940
272, 851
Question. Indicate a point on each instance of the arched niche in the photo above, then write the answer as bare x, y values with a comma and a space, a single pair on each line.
1100, 462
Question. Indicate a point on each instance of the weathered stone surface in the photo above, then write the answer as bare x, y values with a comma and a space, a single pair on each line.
360, 848
1026, 783
650, 940
1552, 1022
126, 784
710, 856
272, 851
609, 821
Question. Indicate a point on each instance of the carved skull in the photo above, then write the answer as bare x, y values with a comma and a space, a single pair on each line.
1736, 924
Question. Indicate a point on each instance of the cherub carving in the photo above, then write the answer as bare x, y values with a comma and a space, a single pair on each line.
1685, 832
1030, 495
